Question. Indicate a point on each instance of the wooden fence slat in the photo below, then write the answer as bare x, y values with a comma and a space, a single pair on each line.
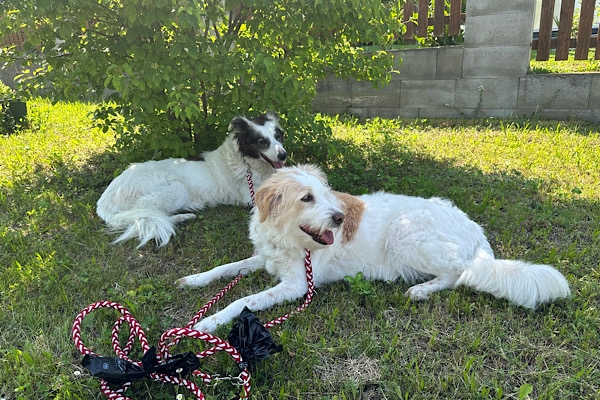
422, 18
585, 29
565, 25
438, 17
13, 39
22, 38
545, 32
455, 17
409, 10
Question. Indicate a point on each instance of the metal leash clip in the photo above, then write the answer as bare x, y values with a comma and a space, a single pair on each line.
248, 170
235, 380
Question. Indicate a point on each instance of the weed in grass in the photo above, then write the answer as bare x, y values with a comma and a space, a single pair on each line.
359, 285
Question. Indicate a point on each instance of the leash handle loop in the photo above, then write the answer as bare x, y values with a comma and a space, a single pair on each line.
137, 331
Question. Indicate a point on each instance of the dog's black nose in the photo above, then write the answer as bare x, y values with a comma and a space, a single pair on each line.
338, 218
282, 155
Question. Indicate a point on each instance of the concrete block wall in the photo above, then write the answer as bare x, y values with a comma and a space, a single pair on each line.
487, 76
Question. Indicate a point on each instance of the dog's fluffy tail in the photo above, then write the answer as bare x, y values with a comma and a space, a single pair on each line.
145, 225
520, 282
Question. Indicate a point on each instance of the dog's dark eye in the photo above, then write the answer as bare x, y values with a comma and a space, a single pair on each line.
279, 135
308, 198
263, 142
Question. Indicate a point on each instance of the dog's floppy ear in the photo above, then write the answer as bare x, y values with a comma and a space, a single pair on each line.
266, 198
238, 125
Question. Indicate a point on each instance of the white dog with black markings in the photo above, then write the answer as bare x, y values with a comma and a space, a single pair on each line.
382, 235
146, 200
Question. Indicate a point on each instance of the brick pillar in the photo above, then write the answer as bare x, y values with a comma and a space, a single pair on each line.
497, 38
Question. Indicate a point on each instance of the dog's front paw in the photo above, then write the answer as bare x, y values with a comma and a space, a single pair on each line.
197, 280
417, 292
181, 283
207, 325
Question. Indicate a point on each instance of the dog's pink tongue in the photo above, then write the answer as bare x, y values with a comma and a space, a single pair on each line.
327, 237
278, 164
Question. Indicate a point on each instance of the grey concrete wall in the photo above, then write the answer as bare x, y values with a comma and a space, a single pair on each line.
485, 77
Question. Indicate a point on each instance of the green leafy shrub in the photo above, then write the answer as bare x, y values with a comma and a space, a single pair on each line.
176, 71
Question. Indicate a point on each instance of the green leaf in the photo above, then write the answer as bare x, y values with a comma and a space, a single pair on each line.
525, 390
118, 83
128, 70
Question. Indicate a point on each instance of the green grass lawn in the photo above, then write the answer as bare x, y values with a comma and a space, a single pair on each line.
533, 185
566, 66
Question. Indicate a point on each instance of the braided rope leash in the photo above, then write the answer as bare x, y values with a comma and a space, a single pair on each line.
137, 331
268, 325
173, 336
309, 294
307, 266
249, 180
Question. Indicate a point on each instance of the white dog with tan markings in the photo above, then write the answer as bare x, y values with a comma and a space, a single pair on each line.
382, 235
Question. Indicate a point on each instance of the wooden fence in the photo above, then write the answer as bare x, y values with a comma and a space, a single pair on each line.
417, 27
562, 40
13, 39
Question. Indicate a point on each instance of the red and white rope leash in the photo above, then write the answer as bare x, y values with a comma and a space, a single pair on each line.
307, 265
268, 325
135, 330
250, 183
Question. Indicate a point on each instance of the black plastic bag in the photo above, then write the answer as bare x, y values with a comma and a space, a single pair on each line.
251, 339
118, 371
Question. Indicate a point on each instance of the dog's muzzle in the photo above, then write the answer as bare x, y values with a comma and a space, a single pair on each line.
275, 164
338, 218
325, 237
281, 154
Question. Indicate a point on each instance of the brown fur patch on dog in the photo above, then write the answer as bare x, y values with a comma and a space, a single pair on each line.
353, 209
265, 198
